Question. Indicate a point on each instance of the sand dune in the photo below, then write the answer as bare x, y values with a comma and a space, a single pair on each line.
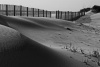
90, 19
40, 47
6, 36
49, 42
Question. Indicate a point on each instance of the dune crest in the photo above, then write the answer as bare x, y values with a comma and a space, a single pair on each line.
37, 50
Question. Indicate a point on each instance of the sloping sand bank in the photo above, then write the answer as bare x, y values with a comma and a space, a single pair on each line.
43, 44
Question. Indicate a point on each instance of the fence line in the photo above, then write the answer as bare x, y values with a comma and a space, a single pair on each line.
14, 10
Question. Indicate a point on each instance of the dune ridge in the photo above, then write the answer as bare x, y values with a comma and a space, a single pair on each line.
34, 51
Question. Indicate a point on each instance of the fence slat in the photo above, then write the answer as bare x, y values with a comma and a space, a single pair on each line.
33, 12
84, 13
43, 13
61, 15
75, 14
68, 15
56, 14
71, 16
20, 10
6, 10
65, 15
50, 14
27, 11
46, 13
79, 14
38, 12
14, 10
0, 9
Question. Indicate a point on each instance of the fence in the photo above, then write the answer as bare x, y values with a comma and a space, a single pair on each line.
14, 10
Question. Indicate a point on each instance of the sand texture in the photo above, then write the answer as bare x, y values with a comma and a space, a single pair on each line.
48, 42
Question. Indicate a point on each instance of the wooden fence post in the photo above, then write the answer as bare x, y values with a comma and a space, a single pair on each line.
68, 15
65, 15
33, 12
50, 14
38, 12
14, 10
79, 14
43, 13
20, 10
27, 11
72, 15
84, 13
46, 13
56, 15
75, 14
6, 10
61, 15
0, 9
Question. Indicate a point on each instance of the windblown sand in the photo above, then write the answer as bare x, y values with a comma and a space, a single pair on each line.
49, 43
9, 38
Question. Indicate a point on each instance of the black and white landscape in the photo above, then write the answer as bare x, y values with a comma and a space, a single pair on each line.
50, 42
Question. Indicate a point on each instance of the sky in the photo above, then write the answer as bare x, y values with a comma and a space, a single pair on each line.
52, 5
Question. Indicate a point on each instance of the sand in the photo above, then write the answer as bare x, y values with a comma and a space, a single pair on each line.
49, 42
9, 38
